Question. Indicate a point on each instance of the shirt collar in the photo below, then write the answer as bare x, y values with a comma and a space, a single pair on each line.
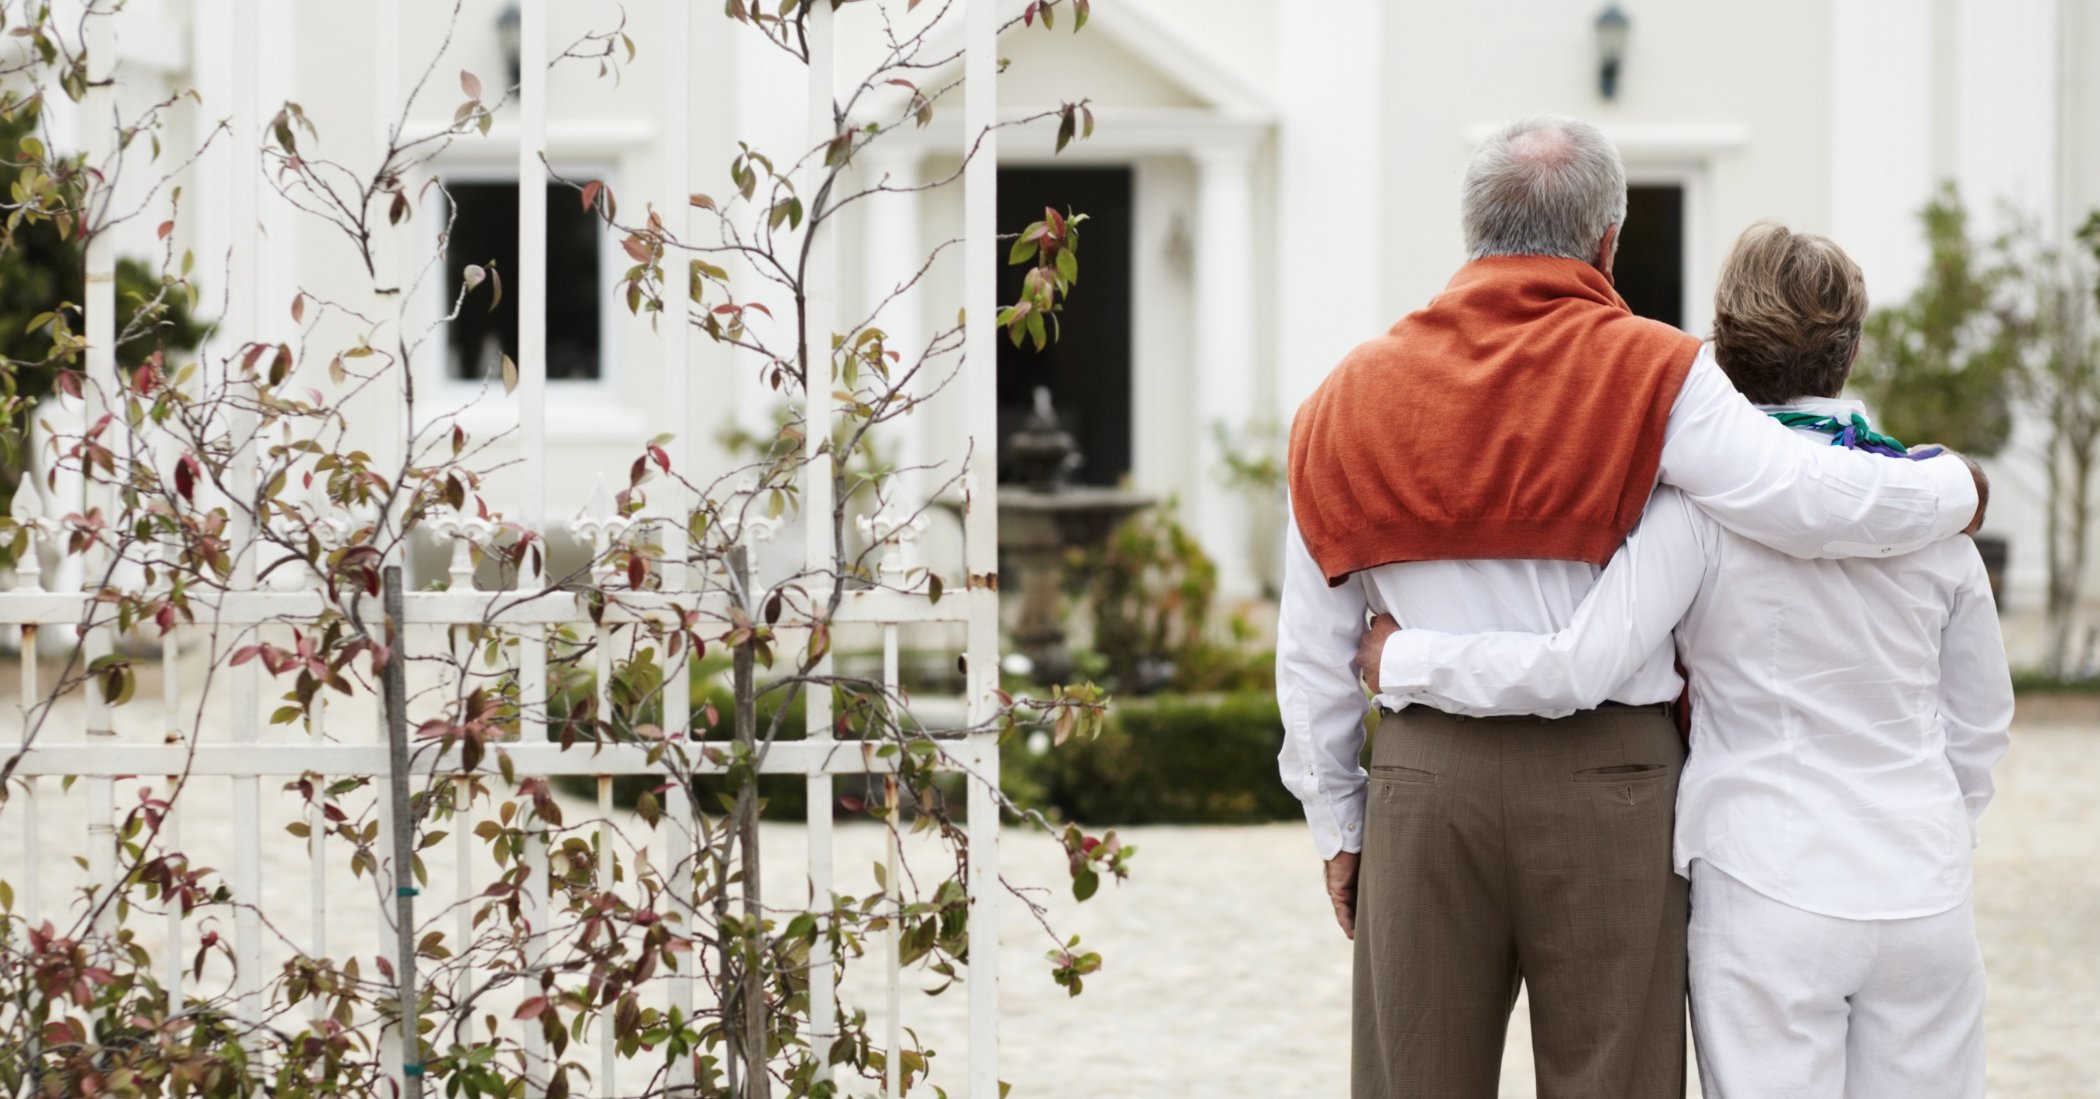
1821, 406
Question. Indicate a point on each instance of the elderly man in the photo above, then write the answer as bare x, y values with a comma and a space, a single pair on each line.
1472, 470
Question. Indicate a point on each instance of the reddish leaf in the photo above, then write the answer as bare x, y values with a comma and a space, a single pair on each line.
166, 227
470, 83
531, 1009
637, 570
590, 193
187, 469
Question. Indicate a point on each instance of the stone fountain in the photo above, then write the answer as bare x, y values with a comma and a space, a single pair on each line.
1040, 520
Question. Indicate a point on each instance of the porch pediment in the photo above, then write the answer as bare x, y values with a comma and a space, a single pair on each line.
1128, 59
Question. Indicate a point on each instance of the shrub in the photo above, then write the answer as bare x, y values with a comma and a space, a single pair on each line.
1152, 589
1170, 759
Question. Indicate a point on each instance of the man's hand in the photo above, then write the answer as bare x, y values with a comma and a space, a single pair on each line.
1341, 890
1983, 483
1371, 649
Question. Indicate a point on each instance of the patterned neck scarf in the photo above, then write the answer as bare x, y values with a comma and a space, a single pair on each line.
1853, 434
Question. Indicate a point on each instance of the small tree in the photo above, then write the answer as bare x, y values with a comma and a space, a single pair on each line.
203, 477
41, 264
2052, 318
1938, 368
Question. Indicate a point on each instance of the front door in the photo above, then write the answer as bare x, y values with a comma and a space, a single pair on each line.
1649, 269
1087, 369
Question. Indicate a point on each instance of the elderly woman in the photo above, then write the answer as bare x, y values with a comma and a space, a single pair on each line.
1846, 714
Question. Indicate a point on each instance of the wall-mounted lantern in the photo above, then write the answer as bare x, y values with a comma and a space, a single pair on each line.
510, 30
1612, 28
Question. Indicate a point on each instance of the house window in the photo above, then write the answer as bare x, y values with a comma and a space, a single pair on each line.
1649, 270
484, 231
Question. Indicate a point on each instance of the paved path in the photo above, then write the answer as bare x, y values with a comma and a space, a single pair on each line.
1225, 976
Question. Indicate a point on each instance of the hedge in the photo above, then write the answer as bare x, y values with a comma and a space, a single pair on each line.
1162, 759
1166, 759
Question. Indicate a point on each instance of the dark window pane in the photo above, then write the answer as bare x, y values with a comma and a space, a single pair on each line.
486, 230
1649, 269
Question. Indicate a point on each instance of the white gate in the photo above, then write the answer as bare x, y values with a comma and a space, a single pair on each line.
243, 756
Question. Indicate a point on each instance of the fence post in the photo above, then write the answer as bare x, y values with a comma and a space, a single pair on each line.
751, 993
676, 501
402, 816
820, 532
980, 528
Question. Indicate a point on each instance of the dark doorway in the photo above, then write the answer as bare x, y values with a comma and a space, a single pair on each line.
1650, 266
1087, 369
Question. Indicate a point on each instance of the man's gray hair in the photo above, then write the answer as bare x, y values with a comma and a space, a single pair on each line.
1543, 186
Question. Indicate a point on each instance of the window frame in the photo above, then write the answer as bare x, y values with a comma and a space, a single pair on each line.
592, 408
1699, 262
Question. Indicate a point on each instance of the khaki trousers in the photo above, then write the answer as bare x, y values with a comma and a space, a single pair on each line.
1501, 850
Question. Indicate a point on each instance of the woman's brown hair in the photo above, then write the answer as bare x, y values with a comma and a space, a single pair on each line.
1787, 314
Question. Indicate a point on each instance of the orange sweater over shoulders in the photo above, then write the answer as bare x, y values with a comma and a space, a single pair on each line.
1519, 415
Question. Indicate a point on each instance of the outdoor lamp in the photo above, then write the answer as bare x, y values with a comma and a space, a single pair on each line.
510, 31
1612, 27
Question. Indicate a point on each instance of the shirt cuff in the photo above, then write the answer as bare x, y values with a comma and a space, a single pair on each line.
1337, 826
1404, 662
1955, 491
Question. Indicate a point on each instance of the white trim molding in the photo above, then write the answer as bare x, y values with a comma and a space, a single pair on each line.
601, 140
1657, 142
1120, 135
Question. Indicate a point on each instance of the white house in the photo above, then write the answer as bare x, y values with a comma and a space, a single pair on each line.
1268, 184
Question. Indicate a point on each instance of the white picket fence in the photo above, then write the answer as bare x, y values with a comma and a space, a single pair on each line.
95, 754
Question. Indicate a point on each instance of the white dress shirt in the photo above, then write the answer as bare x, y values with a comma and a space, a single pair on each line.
1733, 461
1845, 714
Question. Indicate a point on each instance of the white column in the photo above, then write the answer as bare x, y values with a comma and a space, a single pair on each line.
1881, 135
891, 257
1331, 177
1224, 382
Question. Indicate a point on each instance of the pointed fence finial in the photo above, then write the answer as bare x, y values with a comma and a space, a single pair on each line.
466, 532
898, 538
28, 513
597, 523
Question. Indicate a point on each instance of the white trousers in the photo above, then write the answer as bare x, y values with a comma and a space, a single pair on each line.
1789, 1003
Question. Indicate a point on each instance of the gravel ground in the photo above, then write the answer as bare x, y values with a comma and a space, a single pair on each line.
1224, 974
